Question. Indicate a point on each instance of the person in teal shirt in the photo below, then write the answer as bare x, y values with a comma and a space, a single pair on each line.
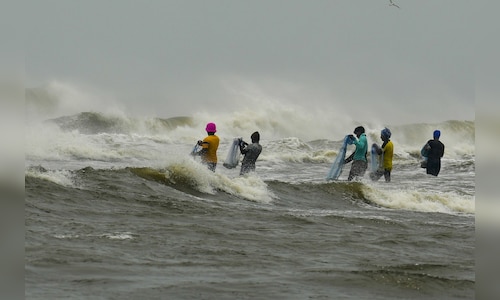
358, 157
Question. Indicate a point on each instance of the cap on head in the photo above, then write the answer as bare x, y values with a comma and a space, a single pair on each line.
211, 127
359, 130
255, 137
436, 134
386, 132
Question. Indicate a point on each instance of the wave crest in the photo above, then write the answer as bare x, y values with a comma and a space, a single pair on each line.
95, 123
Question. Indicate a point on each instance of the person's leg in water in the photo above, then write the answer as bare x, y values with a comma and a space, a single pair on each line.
211, 166
358, 169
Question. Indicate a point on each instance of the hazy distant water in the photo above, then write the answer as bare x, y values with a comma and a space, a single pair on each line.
117, 209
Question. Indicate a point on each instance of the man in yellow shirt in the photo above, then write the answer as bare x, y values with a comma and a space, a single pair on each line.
386, 152
209, 147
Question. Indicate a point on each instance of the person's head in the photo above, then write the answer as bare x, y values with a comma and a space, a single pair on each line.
255, 137
211, 128
359, 130
436, 134
385, 134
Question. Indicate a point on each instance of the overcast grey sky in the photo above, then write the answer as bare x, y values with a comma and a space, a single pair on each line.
414, 64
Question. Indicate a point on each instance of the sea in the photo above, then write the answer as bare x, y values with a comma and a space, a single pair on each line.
117, 208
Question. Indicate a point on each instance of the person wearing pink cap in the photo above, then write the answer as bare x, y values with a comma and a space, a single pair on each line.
209, 147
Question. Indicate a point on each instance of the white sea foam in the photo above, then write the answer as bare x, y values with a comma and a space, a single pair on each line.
421, 200
274, 117
60, 177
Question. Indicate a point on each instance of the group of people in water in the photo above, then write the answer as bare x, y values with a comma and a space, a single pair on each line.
210, 144
432, 151
359, 156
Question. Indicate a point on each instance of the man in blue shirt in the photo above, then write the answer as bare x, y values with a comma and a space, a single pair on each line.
358, 157
435, 150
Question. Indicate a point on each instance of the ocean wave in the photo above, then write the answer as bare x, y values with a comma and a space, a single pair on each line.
416, 277
73, 109
458, 136
194, 179
95, 123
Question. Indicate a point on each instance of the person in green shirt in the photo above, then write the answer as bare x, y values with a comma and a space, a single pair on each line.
358, 157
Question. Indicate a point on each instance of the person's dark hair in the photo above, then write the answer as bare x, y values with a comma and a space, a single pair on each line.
255, 137
359, 129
